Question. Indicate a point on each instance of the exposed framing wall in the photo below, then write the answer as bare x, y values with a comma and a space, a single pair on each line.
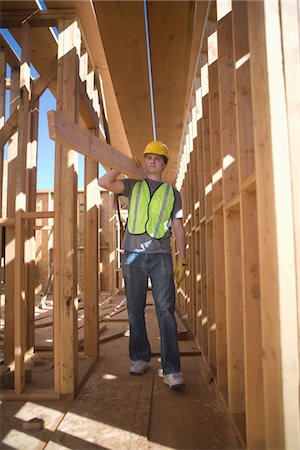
79, 98
242, 216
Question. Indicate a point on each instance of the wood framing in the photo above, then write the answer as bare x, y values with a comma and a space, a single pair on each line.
225, 82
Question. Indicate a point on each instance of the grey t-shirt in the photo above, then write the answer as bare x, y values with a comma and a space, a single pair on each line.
142, 243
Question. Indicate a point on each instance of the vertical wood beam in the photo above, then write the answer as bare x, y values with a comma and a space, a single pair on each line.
220, 301
31, 182
227, 99
2, 120
275, 227
10, 231
91, 191
289, 13
228, 133
20, 312
65, 219
254, 398
234, 312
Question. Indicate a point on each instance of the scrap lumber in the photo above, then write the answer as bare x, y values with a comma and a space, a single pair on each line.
65, 132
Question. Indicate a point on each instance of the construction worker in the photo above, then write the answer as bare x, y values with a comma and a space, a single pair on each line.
154, 206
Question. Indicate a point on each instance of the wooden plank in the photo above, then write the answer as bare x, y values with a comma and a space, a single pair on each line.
91, 205
37, 214
65, 219
30, 244
275, 227
227, 98
220, 301
20, 302
112, 243
20, 331
210, 295
241, 57
234, 313
10, 232
2, 120
291, 50
254, 396
214, 125
64, 132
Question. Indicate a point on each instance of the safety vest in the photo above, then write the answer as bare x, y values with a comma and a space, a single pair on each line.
150, 214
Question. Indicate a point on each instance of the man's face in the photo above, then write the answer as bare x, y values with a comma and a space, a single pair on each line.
154, 163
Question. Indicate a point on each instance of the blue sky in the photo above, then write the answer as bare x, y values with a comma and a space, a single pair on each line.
45, 167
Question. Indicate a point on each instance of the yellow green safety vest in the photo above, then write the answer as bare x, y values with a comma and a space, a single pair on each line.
150, 214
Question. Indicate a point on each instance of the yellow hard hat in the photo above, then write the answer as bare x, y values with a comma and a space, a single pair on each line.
157, 148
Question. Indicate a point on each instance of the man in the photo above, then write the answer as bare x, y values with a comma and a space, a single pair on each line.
153, 207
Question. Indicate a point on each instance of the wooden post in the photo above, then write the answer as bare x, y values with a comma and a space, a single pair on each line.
91, 190
234, 306
2, 120
20, 307
65, 219
220, 305
275, 227
10, 231
31, 181
254, 398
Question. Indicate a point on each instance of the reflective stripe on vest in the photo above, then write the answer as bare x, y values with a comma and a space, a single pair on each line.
150, 214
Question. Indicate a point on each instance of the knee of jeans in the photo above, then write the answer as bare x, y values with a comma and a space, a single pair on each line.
135, 317
166, 312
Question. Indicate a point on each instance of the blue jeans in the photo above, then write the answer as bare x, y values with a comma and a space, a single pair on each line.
137, 267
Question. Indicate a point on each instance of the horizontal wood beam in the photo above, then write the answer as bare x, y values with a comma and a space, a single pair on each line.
37, 18
71, 135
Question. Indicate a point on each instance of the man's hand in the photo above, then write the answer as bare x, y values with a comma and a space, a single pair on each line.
180, 270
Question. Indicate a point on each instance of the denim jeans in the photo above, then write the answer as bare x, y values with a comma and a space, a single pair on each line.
137, 267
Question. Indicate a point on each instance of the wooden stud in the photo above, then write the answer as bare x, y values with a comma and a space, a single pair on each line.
234, 313
10, 232
2, 120
65, 219
227, 99
291, 50
31, 182
254, 403
254, 398
241, 60
20, 300
214, 124
220, 301
91, 192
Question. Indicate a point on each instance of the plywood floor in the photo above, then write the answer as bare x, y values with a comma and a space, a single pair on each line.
116, 411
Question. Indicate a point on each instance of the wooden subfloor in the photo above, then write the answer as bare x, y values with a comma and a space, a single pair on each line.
116, 411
